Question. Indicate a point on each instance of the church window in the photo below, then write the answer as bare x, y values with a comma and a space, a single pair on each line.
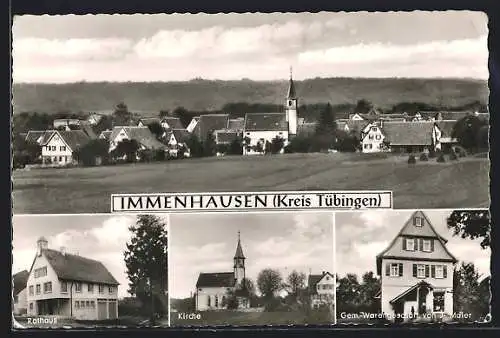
289, 102
216, 301
208, 301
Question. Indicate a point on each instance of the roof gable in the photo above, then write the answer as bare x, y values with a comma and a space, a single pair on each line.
216, 279
77, 268
410, 230
313, 280
72, 138
266, 122
173, 122
142, 135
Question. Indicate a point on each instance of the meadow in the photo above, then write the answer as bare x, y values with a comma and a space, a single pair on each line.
459, 184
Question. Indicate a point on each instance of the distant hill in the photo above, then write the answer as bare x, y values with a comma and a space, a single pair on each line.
202, 95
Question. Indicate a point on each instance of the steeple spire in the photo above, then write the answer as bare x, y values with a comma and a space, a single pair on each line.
239, 250
291, 87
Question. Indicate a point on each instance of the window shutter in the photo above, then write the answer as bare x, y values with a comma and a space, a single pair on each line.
433, 271
432, 245
400, 269
414, 270
387, 269
420, 244
426, 270
415, 244
414, 221
404, 243
444, 271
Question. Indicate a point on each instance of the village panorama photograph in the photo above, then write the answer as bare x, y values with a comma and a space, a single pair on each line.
89, 271
418, 266
107, 104
247, 269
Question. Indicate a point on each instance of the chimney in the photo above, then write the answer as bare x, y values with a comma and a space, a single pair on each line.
41, 245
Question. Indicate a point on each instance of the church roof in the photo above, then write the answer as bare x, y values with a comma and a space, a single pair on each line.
291, 90
265, 122
216, 279
239, 251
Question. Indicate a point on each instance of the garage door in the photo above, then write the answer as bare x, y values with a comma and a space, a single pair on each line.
112, 310
102, 312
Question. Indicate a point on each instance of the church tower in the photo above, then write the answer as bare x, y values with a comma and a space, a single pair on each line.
291, 104
239, 262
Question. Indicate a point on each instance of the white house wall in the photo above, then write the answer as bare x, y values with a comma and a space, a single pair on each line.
204, 293
57, 150
83, 313
394, 286
373, 140
21, 305
256, 136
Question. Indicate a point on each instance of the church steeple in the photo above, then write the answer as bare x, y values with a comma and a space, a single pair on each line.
291, 87
291, 104
239, 250
239, 262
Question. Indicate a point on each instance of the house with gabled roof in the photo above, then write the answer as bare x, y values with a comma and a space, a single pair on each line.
212, 289
321, 289
177, 139
208, 123
170, 122
142, 135
70, 286
147, 121
416, 272
58, 146
415, 136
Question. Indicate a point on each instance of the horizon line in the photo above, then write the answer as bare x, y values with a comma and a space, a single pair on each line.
252, 80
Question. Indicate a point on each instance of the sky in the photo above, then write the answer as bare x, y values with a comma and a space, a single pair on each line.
361, 236
100, 237
301, 241
180, 47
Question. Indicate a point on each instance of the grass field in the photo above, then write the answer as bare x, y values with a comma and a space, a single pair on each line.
464, 183
223, 318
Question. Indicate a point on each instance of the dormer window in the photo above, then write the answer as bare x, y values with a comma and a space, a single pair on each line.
418, 221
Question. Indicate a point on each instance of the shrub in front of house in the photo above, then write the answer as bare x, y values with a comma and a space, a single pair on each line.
424, 157
453, 156
411, 159
432, 153
441, 158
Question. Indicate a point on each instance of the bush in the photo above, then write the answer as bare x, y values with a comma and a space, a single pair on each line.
159, 155
453, 156
432, 153
411, 159
424, 157
276, 305
440, 158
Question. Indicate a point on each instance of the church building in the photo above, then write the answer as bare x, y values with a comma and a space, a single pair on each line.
214, 289
261, 128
